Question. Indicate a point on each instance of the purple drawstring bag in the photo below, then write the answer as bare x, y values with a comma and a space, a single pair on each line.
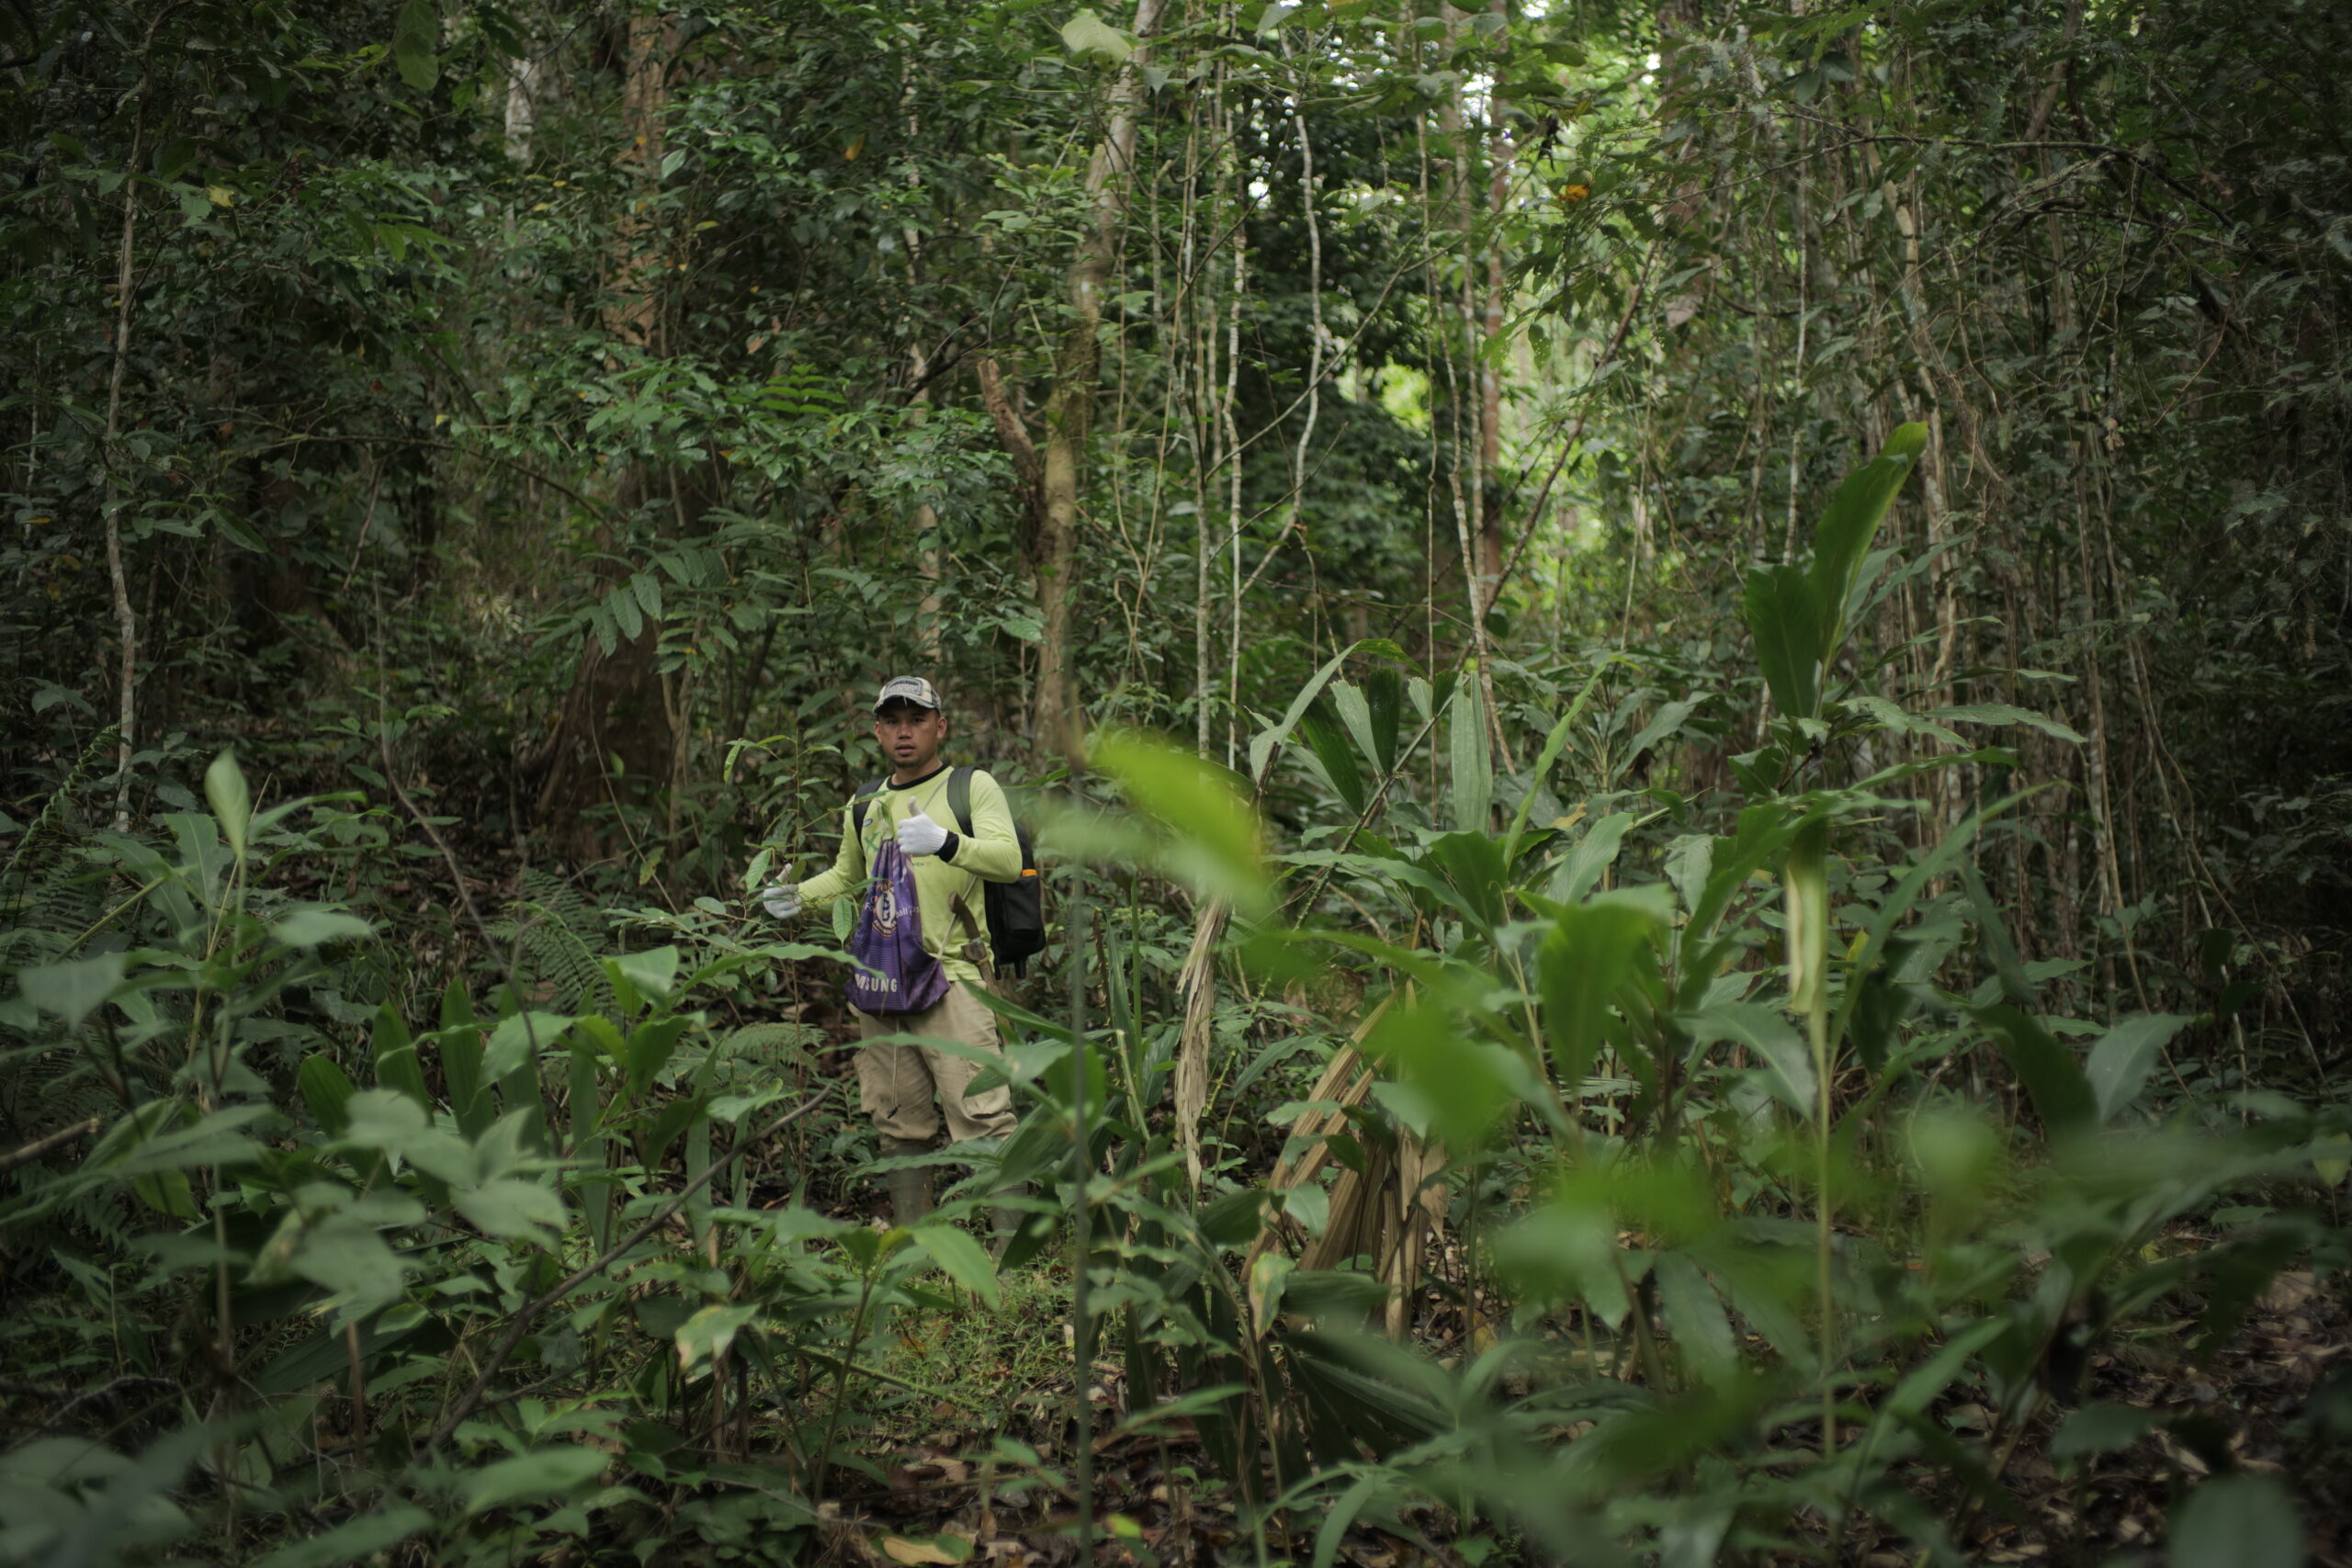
892, 972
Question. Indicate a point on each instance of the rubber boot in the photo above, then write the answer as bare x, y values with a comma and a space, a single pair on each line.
911, 1188
1006, 1221
1004, 1224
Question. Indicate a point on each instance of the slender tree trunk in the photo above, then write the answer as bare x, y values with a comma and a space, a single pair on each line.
1070, 411
1231, 446
126, 623
1499, 154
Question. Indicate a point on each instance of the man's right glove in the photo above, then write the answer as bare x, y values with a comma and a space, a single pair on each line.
781, 900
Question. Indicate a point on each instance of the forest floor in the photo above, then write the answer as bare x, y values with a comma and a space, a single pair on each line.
936, 1496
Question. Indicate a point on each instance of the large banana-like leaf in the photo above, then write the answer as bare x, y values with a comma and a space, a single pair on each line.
1784, 616
1842, 543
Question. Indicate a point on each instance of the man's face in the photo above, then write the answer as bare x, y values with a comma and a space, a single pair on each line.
910, 736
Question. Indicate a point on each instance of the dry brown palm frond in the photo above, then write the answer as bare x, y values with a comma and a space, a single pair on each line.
1386, 1212
1197, 983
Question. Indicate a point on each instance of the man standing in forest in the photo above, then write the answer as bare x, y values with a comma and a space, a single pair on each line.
897, 1082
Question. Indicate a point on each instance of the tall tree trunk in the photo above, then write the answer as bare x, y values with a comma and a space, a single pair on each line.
632, 316
619, 705
1070, 411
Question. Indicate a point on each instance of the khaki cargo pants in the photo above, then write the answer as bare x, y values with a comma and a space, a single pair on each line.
897, 1082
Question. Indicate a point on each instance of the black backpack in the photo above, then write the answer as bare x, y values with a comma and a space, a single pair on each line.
1016, 910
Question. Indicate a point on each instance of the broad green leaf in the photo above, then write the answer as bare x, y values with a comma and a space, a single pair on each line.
1888, 716
355, 1541
514, 1043
1754, 844
1383, 693
212, 1140
345, 1255
962, 1257
198, 838
1472, 864
651, 973
2062, 1096
1452, 1087
1262, 744
1269, 1273
327, 1090
2332, 1159
232, 802
2003, 713
1667, 721
388, 1120
1688, 859
461, 1074
382, 1118
1087, 33
1215, 841
311, 925
1787, 1059
648, 1048
533, 1475
173, 157
1580, 873
1308, 1204
706, 1336
396, 1065
1924, 1382
73, 989
1784, 615
416, 34
1696, 1315
513, 1209
61, 1461
1586, 957
1842, 541
2102, 1428
1236, 1218
1348, 700
2244, 1520
1473, 761
1993, 926
2121, 1061
625, 612
1333, 753
1320, 1292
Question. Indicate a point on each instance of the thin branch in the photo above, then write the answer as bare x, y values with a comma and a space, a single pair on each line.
42, 1145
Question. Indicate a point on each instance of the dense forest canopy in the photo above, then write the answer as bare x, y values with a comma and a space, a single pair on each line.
1683, 673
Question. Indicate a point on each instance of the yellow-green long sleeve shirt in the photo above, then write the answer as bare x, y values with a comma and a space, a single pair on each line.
989, 852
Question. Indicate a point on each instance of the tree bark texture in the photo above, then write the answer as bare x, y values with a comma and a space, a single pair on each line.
1069, 409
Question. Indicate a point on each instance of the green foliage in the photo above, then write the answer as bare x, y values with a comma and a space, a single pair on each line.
1904, 965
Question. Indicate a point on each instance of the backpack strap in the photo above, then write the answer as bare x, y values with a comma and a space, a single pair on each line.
959, 800
858, 804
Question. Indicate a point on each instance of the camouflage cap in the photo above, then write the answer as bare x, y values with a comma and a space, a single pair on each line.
906, 689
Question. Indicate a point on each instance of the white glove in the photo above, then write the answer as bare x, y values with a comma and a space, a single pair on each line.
781, 900
918, 835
